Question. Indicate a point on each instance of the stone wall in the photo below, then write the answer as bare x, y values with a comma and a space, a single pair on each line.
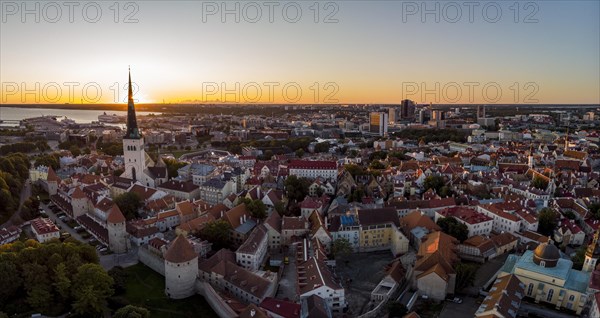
214, 300
151, 260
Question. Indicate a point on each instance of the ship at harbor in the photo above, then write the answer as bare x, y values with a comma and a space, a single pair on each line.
113, 118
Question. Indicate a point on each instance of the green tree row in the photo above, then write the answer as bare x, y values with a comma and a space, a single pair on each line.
52, 278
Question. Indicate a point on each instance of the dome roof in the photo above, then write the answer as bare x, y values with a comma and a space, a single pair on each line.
546, 253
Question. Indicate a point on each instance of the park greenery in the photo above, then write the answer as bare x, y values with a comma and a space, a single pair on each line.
172, 167
216, 232
14, 170
52, 278
256, 208
539, 183
547, 221
129, 203
296, 188
452, 227
341, 248
465, 275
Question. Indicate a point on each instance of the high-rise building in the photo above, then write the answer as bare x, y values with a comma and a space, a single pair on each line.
378, 123
480, 111
407, 109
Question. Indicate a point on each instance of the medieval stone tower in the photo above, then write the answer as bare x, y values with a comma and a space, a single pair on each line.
117, 235
79, 202
181, 269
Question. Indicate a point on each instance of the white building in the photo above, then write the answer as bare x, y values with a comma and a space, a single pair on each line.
251, 254
315, 278
214, 191
503, 221
313, 169
477, 223
44, 230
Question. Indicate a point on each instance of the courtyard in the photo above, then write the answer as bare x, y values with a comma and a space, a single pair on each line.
359, 274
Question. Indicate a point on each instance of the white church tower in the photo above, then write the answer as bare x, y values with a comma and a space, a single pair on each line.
133, 146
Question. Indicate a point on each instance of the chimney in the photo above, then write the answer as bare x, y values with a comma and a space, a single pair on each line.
241, 220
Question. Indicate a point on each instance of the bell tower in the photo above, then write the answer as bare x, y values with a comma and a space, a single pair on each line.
133, 143
592, 253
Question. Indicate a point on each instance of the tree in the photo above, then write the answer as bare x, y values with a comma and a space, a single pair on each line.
62, 283
539, 182
119, 276
10, 280
547, 221
579, 257
376, 164
465, 275
48, 160
296, 188
299, 153
434, 182
452, 227
75, 151
129, 203
92, 285
396, 309
217, 232
172, 167
322, 147
256, 208
355, 170
341, 248
131, 311
595, 210
280, 207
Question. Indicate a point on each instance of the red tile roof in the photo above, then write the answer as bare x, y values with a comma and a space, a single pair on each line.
317, 165
180, 251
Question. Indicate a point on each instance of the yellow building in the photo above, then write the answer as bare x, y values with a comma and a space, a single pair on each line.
549, 278
379, 230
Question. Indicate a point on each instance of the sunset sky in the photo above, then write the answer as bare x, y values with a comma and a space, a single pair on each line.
368, 56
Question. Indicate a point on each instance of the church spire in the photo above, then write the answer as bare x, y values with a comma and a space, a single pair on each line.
130, 92
132, 128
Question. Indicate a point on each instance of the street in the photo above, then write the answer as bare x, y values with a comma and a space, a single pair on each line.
15, 219
63, 226
107, 261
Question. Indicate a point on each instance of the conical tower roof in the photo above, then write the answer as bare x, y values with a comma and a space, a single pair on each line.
180, 251
115, 215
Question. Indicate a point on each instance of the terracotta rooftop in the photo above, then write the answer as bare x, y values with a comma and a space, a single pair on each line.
115, 215
180, 251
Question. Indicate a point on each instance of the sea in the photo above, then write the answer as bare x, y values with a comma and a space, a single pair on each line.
78, 115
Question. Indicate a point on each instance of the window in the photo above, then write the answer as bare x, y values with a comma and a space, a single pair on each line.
572, 297
550, 294
530, 289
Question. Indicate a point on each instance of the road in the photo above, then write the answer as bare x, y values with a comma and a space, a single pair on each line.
107, 261
288, 282
62, 224
16, 219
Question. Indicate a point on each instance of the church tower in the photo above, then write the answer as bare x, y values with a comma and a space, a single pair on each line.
133, 144
592, 253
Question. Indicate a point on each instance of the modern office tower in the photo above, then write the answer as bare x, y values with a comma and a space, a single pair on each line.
378, 123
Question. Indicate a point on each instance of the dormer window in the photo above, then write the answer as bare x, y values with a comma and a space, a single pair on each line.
543, 263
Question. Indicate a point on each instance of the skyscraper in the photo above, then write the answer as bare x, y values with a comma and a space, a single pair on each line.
378, 123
